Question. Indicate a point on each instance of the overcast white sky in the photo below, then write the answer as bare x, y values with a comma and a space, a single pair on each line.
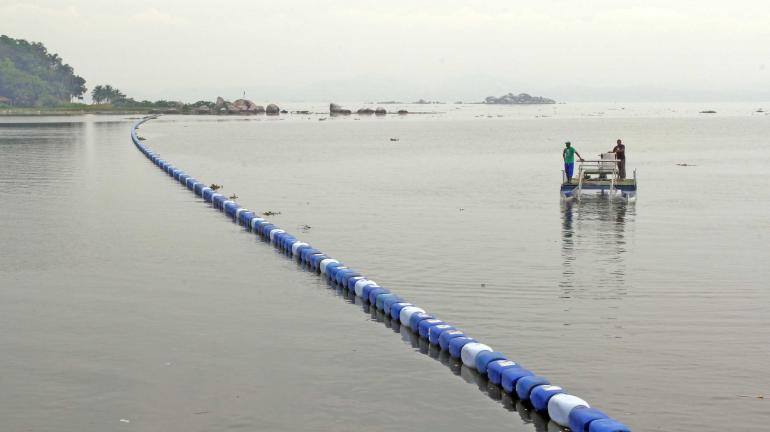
285, 50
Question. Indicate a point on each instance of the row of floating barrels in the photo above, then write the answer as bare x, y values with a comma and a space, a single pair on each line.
563, 408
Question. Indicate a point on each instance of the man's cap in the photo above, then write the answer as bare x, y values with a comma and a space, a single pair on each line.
567, 142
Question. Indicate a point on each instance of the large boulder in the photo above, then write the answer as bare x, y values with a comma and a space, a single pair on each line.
380, 111
203, 109
365, 111
247, 107
219, 104
272, 109
232, 109
335, 109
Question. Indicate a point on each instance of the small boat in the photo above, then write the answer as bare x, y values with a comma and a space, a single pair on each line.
599, 176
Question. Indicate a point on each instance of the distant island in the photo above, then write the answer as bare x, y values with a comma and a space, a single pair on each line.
520, 99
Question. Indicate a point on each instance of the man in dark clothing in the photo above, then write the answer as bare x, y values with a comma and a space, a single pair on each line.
620, 155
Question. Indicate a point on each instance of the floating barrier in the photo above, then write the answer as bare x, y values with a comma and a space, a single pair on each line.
563, 409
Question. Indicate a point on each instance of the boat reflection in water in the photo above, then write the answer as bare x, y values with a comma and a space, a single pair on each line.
595, 234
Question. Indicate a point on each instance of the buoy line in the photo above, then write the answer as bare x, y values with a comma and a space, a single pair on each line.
444, 339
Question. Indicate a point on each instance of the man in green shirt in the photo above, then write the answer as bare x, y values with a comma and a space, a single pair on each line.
569, 160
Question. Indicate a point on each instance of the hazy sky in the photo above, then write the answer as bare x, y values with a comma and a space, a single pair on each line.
285, 50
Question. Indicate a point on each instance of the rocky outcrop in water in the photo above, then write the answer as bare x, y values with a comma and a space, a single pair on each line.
335, 109
249, 107
520, 99
272, 109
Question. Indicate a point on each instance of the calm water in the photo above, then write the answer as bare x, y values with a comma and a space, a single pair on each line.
128, 304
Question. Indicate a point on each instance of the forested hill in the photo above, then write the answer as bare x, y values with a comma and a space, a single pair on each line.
31, 76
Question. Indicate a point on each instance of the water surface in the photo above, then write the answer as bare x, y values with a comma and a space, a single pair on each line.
125, 297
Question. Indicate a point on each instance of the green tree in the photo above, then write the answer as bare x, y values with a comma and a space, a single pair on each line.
30, 75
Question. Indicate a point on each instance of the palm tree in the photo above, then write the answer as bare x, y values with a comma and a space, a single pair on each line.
97, 94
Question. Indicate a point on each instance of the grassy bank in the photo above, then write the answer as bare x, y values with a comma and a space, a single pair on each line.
71, 109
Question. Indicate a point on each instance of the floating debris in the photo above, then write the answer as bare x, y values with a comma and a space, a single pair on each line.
685, 164
215, 187
305, 228
708, 112
141, 138
270, 213
233, 197
395, 139
125, 421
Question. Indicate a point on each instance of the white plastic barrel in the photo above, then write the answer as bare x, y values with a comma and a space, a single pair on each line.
275, 231
359, 287
254, 222
407, 313
326, 262
470, 351
297, 245
560, 405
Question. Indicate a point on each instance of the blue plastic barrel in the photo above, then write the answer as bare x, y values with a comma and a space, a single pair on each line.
607, 425
487, 357
175, 173
456, 345
367, 290
305, 253
198, 189
447, 336
245, 218
388, 301
331, 271
256, 224
495, 370
230, 208
216, 200
316, 260
379, 301
352, 282
424, 326
183, 178
511, 376
540, 395
581, 418
435, 332
191, 183
414, 320
207, 192
265, 228
375, 292
525, 385
287, 241
342, 276
395, 309
332, 267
